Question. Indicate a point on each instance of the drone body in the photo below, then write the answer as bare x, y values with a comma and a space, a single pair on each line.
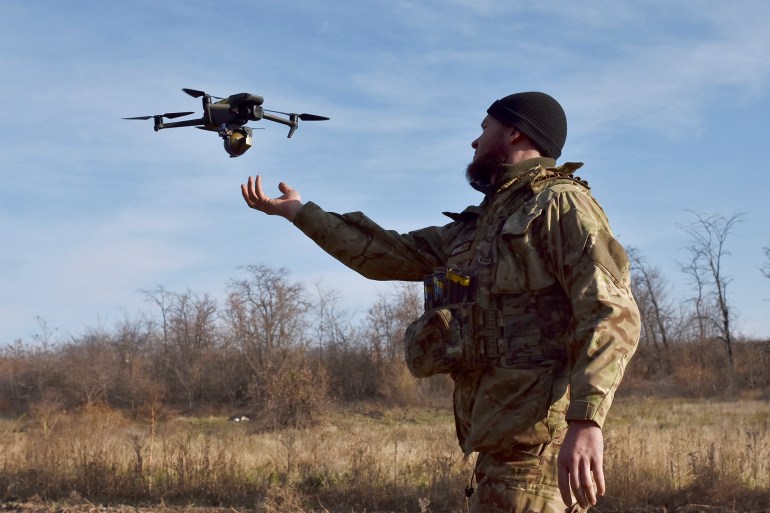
228, 117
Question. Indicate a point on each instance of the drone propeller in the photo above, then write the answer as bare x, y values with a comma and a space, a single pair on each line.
302, 117
193, 92
312, 117
169, 115
197, 94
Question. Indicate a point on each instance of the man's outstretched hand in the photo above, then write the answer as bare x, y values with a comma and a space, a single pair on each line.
287, 205
580, 463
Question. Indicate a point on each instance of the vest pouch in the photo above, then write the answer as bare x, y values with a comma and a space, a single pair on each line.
433, 344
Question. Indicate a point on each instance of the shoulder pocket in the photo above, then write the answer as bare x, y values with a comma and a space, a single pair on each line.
520, 267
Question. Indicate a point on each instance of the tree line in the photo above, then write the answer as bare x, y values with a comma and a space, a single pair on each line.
272, 346
701, 316
288, 352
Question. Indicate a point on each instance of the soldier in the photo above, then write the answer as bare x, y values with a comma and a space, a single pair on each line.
528, 307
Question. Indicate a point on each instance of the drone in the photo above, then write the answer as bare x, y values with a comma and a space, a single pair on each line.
228, 118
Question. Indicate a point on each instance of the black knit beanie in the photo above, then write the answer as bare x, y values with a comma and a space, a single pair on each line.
536, 115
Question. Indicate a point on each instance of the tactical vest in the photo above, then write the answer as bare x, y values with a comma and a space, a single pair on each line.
496, 304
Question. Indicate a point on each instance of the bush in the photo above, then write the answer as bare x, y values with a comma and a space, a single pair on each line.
289, 393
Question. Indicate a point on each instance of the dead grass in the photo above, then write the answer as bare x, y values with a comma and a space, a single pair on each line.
660, 452
667, 451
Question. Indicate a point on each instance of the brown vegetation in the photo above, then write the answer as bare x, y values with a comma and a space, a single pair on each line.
660, 453
138, 415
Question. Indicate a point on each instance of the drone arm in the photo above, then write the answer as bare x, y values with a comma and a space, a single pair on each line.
159, 124
292, 122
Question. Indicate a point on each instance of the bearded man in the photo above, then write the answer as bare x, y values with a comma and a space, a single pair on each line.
528, 307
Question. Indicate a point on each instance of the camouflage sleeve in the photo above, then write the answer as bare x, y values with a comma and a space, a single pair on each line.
364, 246
594, 270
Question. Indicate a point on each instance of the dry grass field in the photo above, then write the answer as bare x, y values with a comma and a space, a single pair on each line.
671, 452
662, 455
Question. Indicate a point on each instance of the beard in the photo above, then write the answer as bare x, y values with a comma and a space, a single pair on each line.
484, 169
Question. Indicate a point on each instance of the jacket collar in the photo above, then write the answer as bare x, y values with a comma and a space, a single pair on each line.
511, 173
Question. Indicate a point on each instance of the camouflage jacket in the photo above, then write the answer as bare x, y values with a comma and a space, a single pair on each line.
547, 263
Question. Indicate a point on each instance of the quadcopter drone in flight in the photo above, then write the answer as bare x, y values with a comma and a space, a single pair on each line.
229, 116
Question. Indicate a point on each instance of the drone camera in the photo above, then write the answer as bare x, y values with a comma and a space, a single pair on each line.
248, 112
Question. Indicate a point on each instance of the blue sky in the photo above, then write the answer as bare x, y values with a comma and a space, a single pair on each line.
667, 103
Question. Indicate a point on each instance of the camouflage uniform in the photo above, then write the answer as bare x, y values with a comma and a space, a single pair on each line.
554, 322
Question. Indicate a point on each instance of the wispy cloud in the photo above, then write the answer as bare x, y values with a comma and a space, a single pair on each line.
93, 207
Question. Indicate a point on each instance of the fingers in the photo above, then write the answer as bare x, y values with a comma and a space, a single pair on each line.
253, 194
580, 464
260, 194
583, 486
578, 483
287, 205
583, 479
598, 469
577, 492
247, 192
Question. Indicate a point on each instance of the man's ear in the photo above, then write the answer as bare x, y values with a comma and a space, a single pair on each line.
515, 137
512, 135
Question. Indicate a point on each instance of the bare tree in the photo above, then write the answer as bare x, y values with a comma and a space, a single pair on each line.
134, 385
26, 373
45, 373
388, 318
386, 322
657, 311
189, 337
163, 299
350, 368
701, 301
708, 249
765, 269
266, 316
333, 324
89, 368
265, 313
